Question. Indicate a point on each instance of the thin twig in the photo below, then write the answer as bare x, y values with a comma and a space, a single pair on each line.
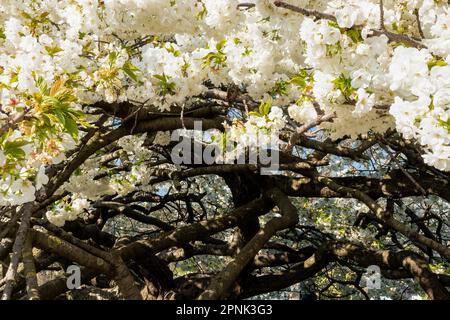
382, 26
26, 212
419, 24
245, 5
393, 37
305, 12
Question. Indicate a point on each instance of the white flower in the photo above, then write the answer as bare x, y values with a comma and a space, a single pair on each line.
56, 219
275, 113
24, 192
302, 113
13, 27
41, 178
260, 121
308, 30
78, 205
29, 43
408, 66
346, 17
110, 95
323, 85
330, 35
59, 158
433, 135
442, 98
365, 102
360, 78
45, 40
67, 142
439, 158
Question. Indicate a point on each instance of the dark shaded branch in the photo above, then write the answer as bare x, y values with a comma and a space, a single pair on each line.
219, 286
25, 212
30, 270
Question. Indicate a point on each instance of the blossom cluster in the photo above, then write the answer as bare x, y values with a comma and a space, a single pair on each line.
261, 131
58, 57
63, 211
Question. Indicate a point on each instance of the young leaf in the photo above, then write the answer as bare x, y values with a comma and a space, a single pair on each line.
71, 127
130, 70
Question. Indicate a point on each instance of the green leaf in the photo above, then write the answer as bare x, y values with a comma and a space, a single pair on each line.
221, 45
218, 59
264, 108
184, 69
332, 50
172, 50
81, 35
280, 88
44, 15
355, 35
333, 24
13, 149
130, 70
344, 84
42, 86
53, 101
436, 63
112, 57
247, 52
223, 141
26, 15
52, 51
165, 86
61, 116
301, 79
267, 107
202, 14
161, 77
445, 124
14, 77
71, 127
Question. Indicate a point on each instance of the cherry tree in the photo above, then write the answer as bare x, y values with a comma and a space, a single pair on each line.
350, 100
